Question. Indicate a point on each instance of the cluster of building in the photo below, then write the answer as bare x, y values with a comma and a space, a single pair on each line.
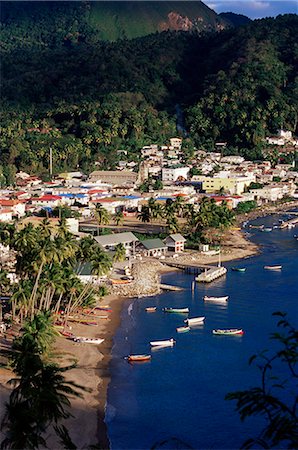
228, 178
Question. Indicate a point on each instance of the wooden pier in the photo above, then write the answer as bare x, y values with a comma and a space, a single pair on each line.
205, 273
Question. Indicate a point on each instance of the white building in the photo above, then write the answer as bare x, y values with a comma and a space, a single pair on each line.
283, 137
172, 174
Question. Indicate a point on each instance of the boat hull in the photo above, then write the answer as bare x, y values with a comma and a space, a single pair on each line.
195, 321
182, 329
217, 299
272, 267
165, 343
84, 340
229, 332
176, 310
138, 358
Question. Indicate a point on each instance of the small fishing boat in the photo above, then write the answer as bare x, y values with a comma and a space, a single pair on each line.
150, 309
138, 358
267, 230
182, 329
256, 227
86, 340
272, 267
165, 343
103, 308
194, 321
217, 299
176, 310
239, 269
228, 332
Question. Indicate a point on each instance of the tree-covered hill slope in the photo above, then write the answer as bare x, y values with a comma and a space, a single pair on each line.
90, 99
50, 23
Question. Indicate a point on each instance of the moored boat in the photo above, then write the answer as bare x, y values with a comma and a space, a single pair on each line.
150, 309
273, 267
86, 340
138, 358
228, 332
218, 299
164, 343
239, 269
176, 310
195, 320
183, 329
267, 229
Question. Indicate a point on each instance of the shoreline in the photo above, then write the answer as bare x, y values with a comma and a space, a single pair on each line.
238, 247
93, 362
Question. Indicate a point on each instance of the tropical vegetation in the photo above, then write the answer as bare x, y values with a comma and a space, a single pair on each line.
48, 261
236, 86
41, 395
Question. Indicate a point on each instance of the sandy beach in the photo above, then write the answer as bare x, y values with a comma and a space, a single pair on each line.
87, 427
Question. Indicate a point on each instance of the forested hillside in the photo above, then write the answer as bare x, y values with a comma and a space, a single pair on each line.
87, 99
40, 24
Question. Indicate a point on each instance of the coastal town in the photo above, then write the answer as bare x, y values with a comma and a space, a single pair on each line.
146, 218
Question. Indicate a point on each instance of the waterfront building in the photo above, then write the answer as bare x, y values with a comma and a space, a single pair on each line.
175, 243
110, 241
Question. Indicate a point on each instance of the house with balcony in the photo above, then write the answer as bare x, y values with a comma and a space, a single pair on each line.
175, 242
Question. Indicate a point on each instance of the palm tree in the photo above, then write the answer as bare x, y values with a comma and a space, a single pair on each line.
118, 218
41, 395
101, 214
86, 248
41, 330
144, 215
120, 252
100, 262
172, 223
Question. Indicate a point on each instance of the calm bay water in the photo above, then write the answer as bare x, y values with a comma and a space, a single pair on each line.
180, 392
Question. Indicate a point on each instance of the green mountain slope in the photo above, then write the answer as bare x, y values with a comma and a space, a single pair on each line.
89, 99
44, 23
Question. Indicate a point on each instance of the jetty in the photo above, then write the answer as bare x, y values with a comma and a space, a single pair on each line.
211, 274
289, 223
169, 287
205, 273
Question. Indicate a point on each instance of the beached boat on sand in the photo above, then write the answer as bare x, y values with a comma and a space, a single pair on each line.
228, 332
195, 321
164, 343
272, 267
176, 310
150, 309
138, 358
182, 329
86, 340
217, 299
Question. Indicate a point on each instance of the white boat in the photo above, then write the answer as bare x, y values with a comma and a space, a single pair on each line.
228, 332
273, 267
86, 340
165, 343
194, 320
217, 299
184, 329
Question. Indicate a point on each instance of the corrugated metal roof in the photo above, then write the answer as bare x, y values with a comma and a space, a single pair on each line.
152, 244
117, 238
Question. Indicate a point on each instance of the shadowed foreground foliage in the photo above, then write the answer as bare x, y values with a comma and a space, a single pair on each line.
276, 399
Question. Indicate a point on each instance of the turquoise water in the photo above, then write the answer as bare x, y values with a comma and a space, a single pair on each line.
180, 392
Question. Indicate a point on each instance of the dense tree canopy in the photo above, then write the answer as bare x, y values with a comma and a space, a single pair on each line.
90, 98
